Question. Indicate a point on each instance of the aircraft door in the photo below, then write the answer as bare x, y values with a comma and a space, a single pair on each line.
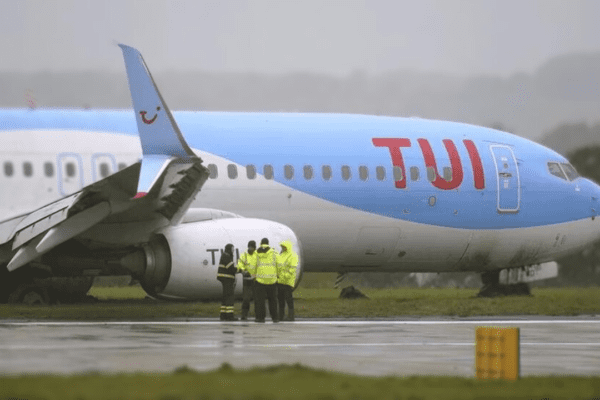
509, 185
103, 165
70, 173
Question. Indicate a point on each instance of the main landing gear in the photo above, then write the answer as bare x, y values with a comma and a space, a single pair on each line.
33, 286
493, 288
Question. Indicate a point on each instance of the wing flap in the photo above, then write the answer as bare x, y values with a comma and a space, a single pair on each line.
7, 228
42, 219
24, 255
73, 226
177, 196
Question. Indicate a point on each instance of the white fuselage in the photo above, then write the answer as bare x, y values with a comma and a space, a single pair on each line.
37, 168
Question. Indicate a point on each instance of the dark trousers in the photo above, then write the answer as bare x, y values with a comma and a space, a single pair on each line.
268, 292
227, 300
247, 297
284, 295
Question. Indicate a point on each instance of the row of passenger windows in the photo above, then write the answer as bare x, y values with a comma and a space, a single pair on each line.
563, 170
327, 172
104, 169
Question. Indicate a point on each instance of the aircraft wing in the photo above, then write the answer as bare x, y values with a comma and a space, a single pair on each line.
159, 189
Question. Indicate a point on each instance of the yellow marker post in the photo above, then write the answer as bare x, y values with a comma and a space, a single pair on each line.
497, 353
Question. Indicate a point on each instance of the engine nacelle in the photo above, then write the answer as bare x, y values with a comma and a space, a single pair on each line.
182, 261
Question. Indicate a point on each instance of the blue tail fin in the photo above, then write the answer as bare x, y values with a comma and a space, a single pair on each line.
160, 136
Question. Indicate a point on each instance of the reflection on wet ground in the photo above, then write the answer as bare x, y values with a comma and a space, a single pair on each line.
444, 347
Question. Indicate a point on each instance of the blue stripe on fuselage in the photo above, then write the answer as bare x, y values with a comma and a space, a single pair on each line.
338, 139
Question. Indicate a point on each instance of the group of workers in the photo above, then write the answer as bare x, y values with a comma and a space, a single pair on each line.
268, 275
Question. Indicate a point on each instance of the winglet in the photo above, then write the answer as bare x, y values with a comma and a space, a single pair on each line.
159, 134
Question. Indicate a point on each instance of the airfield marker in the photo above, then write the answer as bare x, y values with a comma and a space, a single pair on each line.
497, 353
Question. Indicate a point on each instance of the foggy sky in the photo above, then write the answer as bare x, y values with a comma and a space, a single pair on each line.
327, 37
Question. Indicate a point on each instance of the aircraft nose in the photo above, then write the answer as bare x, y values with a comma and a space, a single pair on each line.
594, 193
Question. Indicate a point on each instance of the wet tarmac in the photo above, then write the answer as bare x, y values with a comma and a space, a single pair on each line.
562, 346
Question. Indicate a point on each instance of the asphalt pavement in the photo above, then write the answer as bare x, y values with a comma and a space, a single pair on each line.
560, 346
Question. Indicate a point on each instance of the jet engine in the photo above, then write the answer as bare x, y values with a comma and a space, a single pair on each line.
181, 262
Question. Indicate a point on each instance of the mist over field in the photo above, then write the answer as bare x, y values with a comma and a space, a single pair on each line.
526, 67
564, 90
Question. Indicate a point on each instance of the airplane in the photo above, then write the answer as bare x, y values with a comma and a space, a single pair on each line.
157, 195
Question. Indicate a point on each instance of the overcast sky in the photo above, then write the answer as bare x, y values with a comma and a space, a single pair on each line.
329, 37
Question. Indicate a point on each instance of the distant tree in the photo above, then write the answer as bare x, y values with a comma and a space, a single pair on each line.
571, 137
586, 161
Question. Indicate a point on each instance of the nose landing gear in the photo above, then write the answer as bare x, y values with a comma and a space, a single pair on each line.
493, 288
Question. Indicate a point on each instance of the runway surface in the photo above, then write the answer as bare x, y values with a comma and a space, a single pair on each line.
562, 346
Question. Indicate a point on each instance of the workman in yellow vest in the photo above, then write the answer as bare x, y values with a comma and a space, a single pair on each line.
287, 264
247, 264
265, 284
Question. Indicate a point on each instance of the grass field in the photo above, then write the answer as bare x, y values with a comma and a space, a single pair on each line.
288, 382
130, 303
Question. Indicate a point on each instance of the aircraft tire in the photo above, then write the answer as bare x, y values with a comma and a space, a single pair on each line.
490, 278
29, 294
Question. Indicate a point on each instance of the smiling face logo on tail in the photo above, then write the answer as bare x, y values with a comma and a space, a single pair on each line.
149, 121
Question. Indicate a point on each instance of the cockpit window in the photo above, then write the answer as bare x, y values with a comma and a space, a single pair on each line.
572, 174
555, 170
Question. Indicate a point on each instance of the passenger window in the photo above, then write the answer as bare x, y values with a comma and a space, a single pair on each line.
122, 166
363, 173
326, 170
288, 172
49, 169
414, 173
27, 168
104, 170
214, 172
232, 171
430, 174
380, 172
398, 175
268, 171
346, 173
8, 169
308, 172
555, 170
250, 171
448, 174
71, 170
571, 172
70, 167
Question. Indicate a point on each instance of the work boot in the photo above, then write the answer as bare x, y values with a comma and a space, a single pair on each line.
231, 317
244, 315
290, 316
223, 316
281, 314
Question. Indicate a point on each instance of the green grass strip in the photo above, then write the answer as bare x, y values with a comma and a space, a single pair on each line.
129, 303
287, 382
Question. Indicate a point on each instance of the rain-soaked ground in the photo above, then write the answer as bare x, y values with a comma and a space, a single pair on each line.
562, 346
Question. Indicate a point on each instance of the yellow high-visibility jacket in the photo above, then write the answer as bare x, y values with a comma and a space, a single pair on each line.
247, 263
287, 264
266, 265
